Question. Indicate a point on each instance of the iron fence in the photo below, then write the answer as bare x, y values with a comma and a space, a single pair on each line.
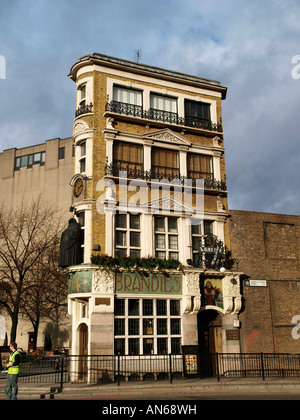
117, 368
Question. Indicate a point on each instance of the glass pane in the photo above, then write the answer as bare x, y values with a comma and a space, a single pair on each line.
161, 307
120, 238
24, 160
133, 326
121, 221
36, 158
162, 326
134, 221
120, 307
147, 307
208, 228
135, 252
173, 242
173, 255
160, 241
148, 345
133, 346
81, 218
174, 307
83, 149
159, 224
196, 228
162, 346
148, 326
175, 326
175, 345
133, 307
119, 326
120, 346
82, 165
161, 255
172, 225
61, 153
135, 239
83, 91
30, 159
196, 243
127, 96
121, 252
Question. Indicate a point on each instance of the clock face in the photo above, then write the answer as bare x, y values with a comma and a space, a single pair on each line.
78, 187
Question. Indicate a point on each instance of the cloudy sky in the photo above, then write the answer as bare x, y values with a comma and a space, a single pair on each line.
248, 45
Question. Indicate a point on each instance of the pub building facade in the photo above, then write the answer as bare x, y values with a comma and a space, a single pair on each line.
150, 201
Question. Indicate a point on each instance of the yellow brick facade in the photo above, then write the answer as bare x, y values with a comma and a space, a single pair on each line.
96, 77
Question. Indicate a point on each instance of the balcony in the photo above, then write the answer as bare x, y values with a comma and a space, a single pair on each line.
162, 116
132, 171
85, 109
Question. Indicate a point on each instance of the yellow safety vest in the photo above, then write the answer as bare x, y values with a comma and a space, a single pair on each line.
14, 370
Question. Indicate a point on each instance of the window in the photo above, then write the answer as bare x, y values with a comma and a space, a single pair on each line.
82, 159
82, 96
199, 166
81, 222
147, 326
127, 101
127, 235
197, 114
199, 231
61, 153
163, 108
128, 157
29, 160
166, 238
198, 110
164, 164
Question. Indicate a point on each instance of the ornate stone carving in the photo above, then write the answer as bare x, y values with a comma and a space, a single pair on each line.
231, 294
78, 127
191, 284
103, 282
191, 292
169, 136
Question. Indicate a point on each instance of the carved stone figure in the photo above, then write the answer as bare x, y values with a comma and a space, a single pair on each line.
70, 249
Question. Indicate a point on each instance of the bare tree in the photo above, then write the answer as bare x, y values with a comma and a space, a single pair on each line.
27, 232
45, 295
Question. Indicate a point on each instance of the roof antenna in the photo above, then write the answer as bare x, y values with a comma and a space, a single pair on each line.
138, 54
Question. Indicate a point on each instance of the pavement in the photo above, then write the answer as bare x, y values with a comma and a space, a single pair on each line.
179, 389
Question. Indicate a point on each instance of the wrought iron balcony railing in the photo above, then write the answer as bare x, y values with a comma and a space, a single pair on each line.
137, 171
84, 110
162, 116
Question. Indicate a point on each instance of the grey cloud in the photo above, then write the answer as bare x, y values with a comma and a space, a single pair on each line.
249, 49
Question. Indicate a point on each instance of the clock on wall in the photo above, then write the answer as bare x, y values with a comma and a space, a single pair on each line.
78, 187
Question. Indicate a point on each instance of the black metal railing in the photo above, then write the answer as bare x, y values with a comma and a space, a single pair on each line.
118, 369
261, 365
133, 171
85, 109
162, 116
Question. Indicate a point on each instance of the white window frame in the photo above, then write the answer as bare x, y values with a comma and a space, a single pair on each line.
140, 317
127, 232
167, 235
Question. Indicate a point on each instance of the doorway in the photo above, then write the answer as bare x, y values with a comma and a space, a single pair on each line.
209, 340
83, 352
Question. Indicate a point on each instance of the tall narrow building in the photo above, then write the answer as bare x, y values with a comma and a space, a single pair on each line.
150, 196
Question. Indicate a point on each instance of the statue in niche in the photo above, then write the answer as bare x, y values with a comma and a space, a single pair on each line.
70, 245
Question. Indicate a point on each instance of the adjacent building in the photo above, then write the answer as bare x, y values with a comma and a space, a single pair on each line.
25, 174
266, 247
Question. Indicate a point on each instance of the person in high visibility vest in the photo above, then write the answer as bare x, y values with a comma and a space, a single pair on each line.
13, 370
